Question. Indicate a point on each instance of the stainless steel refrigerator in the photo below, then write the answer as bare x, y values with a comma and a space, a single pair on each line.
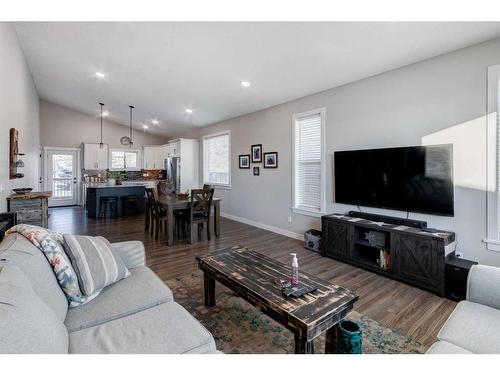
173, 168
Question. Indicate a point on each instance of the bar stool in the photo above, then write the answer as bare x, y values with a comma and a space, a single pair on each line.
110, 201
129, 204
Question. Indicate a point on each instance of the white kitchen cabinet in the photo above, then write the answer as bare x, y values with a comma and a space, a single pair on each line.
168, 150
160, 154
175, 147
95, 157
148, 156
154, 157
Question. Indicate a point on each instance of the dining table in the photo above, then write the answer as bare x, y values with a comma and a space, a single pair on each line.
171, 203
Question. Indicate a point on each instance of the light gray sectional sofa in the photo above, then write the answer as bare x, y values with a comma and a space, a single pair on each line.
135, 315
474, 325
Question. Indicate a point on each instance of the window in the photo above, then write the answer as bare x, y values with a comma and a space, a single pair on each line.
493, 159
308, 167
124, 159
217, 159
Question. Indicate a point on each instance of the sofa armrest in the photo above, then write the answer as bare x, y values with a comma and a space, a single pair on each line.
482, 285
131, 252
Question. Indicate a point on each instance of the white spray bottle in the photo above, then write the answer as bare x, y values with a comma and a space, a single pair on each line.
295, 270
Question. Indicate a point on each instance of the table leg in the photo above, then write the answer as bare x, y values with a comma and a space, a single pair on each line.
331, 340
217, 219
209, 290
302, 346
170, 225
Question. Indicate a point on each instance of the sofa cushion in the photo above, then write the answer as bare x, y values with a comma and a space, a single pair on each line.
19, 251
27, 325
132, 253
141, 290
94, 262
444, 347
473, 327
166, 328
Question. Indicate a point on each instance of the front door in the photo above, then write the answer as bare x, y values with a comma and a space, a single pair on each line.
62, 179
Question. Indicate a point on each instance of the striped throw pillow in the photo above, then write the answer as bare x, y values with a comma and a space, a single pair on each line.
94, 261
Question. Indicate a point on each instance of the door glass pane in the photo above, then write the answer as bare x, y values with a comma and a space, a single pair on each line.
62, 176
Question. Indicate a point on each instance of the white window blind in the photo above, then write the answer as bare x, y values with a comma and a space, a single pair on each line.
124, 159
216, 159
308, 162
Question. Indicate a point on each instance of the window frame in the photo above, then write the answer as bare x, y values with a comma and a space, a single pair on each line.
205, 159
299, 209
492, 239
124, 150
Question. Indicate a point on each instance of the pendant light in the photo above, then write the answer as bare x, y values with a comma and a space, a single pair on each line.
101, 145
127, 140
130, 136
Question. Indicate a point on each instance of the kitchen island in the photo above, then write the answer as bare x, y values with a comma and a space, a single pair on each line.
94, 192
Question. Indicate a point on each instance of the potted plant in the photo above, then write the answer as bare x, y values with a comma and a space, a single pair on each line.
114, 178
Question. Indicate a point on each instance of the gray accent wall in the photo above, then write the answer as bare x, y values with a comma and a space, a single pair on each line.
64, 127
441, 100
18, 109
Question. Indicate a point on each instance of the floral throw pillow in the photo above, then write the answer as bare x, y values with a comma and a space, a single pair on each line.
51, 244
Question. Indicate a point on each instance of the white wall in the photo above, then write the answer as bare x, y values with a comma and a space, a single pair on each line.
64, 127
441, 100
18, 109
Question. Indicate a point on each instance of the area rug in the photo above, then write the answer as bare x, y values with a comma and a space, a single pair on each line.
238, 327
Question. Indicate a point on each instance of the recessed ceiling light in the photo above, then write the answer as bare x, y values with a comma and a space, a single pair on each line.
189, 110
100, 75
245, 84
144, 126
105, 113
155, 122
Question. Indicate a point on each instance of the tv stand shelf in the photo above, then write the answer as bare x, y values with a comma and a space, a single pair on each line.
412, 255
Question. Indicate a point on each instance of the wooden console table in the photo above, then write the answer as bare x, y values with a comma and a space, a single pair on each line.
252, 276
31, 208
410, 255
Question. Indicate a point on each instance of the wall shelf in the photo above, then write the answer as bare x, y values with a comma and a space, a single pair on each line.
14, 155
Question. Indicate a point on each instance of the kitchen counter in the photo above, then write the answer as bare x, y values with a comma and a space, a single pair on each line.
124, 183
105, 185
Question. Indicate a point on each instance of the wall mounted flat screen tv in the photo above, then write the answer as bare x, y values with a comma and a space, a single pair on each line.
416, 179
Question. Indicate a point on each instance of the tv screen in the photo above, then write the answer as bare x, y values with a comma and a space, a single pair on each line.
416, 179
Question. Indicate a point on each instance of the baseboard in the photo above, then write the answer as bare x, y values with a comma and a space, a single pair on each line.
270, 228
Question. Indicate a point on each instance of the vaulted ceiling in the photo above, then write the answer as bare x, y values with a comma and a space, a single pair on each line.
166, 68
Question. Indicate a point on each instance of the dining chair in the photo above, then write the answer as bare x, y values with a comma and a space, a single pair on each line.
158, 216
200, 205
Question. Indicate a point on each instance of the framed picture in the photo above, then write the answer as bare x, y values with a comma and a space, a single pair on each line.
256, 153
270, 160
256, 171
244, 161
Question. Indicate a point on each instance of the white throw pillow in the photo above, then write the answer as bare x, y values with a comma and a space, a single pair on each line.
95, 262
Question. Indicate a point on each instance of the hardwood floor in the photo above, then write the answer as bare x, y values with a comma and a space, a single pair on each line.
401, 307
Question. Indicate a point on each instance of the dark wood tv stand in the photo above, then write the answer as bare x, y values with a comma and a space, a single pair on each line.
407, 254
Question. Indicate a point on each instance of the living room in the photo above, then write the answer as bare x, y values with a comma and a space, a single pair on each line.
249, 187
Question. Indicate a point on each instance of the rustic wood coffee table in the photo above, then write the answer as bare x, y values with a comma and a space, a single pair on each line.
252, 276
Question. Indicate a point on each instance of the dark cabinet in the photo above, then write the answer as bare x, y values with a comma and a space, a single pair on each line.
336, 239
418, 260
407, 254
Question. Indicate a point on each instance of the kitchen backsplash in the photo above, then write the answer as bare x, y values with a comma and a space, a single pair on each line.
156, 174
